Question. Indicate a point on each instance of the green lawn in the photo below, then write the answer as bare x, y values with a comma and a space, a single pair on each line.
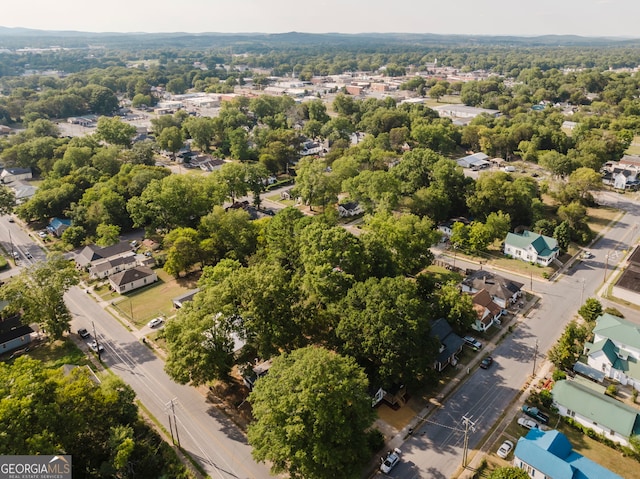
634, 147
144, 304
58, 353
590, 448
445, 100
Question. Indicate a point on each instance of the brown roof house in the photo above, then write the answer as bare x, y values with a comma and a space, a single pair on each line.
133, 278
487, 310
503, 291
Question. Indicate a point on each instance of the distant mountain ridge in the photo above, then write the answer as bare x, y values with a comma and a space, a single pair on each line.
16, 37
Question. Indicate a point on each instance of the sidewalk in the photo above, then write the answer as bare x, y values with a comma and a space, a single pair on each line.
438, 400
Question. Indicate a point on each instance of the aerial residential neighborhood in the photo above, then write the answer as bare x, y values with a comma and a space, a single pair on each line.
311, 255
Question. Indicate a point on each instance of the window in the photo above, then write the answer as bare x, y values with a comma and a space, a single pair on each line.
571, 413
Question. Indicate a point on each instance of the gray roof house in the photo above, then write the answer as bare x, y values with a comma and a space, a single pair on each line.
133, 278
477, 161
108, 266
532, 247
179, 301
615, 349
92, 254
450, 344
13, 333
586, 403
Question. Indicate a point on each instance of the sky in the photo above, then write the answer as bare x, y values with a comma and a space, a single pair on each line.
594, 18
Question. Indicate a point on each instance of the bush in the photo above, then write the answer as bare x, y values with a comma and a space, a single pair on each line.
559, 375
614, 312
612, 390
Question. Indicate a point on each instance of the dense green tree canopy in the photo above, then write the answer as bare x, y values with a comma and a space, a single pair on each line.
385, 326
48, 411
311, 415
38, 292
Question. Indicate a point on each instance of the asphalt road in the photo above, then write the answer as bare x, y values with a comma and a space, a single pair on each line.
203, 432
435, 450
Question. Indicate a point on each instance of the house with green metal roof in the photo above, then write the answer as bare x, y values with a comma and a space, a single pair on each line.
531, 247
549, 454
615, 349
589, 406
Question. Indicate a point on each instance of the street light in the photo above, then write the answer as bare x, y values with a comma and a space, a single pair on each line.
582, 292
606, 265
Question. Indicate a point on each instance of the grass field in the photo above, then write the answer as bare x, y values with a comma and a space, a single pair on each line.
634, 147
445, 100
58, 353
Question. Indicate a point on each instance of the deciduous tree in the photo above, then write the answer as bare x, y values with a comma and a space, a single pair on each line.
311, 415
38, 292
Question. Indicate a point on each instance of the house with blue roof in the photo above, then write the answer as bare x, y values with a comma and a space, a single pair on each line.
57, 226
531, 247
586, 403
549, 454
615, 349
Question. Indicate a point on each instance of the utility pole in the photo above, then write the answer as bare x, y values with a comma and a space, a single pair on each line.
531, 279
171, 406
469, 425
96, 340
11, 242
606, 266
535, 356
582, 293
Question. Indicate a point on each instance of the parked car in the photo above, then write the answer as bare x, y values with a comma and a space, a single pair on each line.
586, 255
473, 342
28, 255
505, 449
389, 462
42, 234
528, 423
486, 362
535, 414
83, 333
155, 322
95, 347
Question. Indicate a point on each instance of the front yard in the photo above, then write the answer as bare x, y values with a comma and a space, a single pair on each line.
605, 456
144, 304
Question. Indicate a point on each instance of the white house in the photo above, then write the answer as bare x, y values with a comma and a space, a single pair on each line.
446, 227
106, 267
133, 278
615, 349
487, 311
9, 175
531, 247
586, 403
347, 210
549, 454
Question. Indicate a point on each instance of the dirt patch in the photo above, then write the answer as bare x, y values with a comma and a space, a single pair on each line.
401, 417
231, 398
